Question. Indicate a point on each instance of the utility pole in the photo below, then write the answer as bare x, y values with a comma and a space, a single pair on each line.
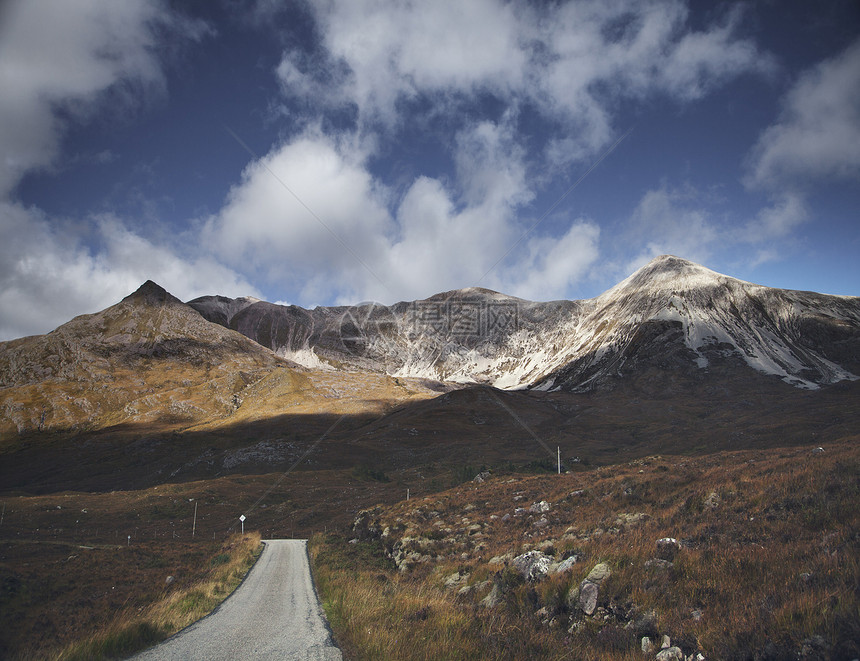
194, 527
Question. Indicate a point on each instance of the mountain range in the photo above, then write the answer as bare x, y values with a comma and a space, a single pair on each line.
671, 313
168, 389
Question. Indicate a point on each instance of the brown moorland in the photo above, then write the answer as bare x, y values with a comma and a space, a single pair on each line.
766, 565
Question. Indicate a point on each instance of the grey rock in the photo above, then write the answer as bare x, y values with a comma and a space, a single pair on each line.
537, 508
566, 565
493, 598
670, 654
456, 579
599, 573
646, 645
643, 624
815, 647
587, 597
533, 565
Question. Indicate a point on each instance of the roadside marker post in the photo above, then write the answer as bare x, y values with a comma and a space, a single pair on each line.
242, 519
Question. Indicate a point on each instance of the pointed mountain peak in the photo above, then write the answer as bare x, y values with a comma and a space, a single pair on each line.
150, 293
668, 272
671, 264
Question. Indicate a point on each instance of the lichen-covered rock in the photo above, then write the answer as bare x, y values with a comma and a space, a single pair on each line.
538, 508
533, 565
599, 573
366, 525
566, 565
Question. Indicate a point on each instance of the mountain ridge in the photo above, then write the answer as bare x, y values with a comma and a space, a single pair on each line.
477, 335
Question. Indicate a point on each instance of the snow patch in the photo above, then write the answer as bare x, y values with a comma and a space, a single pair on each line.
305, 357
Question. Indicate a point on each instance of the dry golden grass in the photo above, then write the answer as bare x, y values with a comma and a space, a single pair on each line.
132, 630
774, 563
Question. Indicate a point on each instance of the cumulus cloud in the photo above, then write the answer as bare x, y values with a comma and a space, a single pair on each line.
436, 64
571, 62
304, 213
551, 266
336, 238
818, 130
59, 63
683, 222
50, 274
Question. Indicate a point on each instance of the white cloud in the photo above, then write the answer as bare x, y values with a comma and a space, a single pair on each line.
437, 238
57, 55
552, 266
339, 218
400, 50
570, 62
818, 130
61, 62
682, 222
671, 222
777, 220
50, 275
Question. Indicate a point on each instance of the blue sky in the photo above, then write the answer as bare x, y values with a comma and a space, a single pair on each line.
335, 152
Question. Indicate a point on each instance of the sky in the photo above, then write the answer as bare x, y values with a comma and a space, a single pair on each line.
332, 152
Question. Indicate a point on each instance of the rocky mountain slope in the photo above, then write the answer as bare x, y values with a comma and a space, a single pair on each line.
672, 313
662, 361
149, 357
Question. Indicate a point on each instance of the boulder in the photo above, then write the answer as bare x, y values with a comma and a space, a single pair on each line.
670, 654
646, 645
587, 597
533, 565
659, 563
366, 525
456, 579
540, 507
643, 624
599, 573
493, 598
566, 565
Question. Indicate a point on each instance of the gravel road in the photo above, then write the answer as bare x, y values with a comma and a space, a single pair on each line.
274, 614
